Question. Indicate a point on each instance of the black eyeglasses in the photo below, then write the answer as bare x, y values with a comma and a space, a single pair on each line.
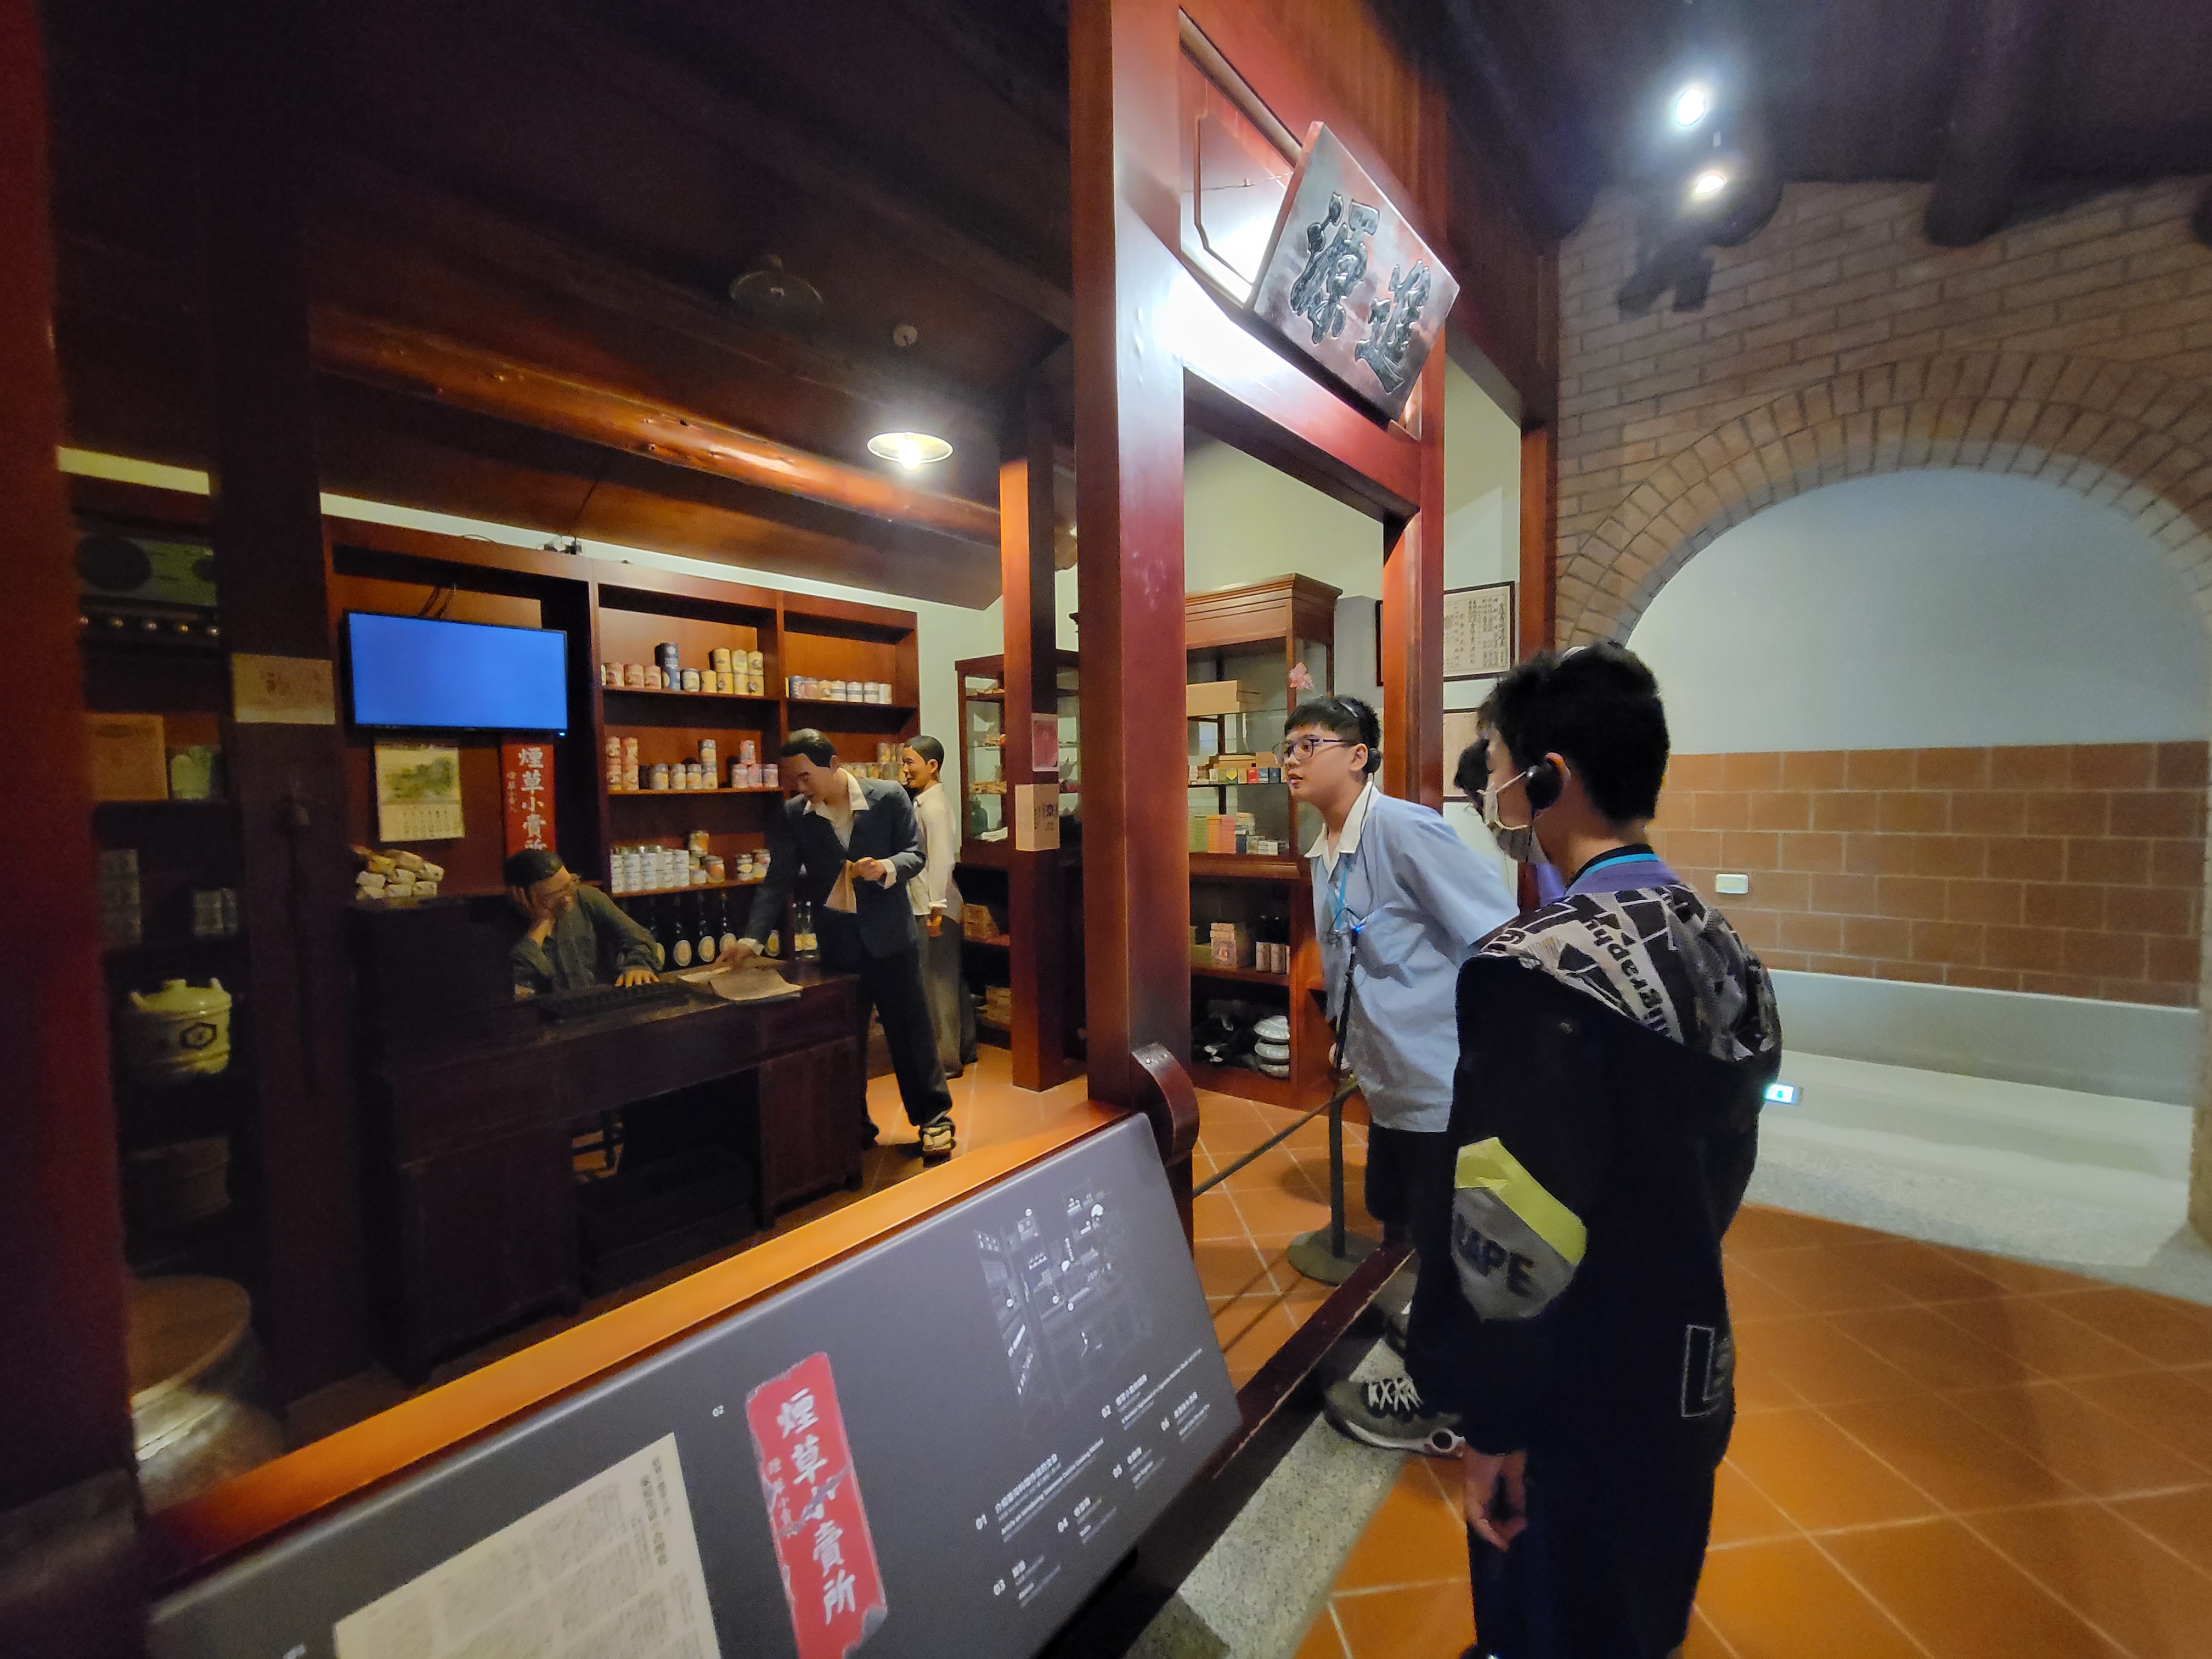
1302, 749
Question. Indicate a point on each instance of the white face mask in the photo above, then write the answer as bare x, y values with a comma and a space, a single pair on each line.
1516, 840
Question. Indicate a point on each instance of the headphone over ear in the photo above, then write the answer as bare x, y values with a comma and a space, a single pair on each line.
1544, 786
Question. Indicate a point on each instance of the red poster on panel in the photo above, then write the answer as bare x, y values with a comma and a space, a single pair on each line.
526, 775
823, 1547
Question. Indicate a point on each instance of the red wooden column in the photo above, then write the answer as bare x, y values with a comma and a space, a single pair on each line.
1036, 886
288, 780
67, 1527
1412, 619
1540, 509
1129, 435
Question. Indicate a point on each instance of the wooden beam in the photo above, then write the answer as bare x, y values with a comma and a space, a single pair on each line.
288, 782
814, 164
69, 1576
431, 223
984, 47
413, 360
1993, 106
1539, 520
1556, 171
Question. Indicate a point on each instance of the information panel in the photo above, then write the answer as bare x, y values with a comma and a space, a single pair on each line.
941, 1446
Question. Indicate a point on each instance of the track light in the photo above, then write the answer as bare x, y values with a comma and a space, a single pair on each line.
911, 450
1691, 105
1708, 184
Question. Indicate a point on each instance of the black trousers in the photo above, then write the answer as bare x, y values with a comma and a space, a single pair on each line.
891, 986
1607, 1568
1409, 1177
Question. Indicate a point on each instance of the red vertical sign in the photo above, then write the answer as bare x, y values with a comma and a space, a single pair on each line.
823, 1548
527, 772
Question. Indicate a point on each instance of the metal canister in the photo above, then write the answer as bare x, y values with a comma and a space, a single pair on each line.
718, 659
666, 654
658, 776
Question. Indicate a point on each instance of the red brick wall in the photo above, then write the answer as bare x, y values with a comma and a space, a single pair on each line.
2073, 870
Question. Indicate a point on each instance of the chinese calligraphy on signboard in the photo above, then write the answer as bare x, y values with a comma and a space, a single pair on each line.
822, 1547
1348, 282
1477, 630
527, 774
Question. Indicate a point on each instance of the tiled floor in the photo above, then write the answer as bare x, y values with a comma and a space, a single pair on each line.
1939, 1454
1242, 1229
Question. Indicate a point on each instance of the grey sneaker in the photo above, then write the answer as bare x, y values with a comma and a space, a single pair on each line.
1387, 1413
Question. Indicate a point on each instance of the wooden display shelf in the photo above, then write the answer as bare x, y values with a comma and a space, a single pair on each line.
689, 887
665, 794
1247, 975
1247, 866
688, 696
831, 702
1243, 1082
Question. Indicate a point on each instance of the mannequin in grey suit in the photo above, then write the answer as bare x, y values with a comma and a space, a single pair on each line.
838, 825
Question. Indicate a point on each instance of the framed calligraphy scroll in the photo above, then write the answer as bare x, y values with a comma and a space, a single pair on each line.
1478, 631
526, 788
1348, 283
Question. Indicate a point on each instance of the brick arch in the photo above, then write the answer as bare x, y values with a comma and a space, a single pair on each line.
2117, 433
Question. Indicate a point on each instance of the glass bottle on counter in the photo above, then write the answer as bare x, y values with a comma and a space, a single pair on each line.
679, 948
729, 940
803, 946
704, 945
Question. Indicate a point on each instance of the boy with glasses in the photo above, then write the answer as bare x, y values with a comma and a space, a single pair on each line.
1400, 902
1614, 1048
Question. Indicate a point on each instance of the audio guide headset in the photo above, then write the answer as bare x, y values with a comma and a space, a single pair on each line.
1545, 783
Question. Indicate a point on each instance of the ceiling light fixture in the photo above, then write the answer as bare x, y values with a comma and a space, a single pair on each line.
1708, 184
1691, 105
909, 449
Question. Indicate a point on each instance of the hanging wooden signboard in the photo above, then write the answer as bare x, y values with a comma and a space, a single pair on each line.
1348, 282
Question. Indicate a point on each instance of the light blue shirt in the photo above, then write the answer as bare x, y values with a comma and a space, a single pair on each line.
1421, 899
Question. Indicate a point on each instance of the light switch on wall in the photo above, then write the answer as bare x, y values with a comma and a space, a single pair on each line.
1726, 883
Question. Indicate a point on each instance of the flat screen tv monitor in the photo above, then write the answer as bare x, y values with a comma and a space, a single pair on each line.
414, 674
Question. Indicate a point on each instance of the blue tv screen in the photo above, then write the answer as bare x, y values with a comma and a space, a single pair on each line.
411, 673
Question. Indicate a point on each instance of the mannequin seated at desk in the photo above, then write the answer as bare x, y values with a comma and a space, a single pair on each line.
577, 936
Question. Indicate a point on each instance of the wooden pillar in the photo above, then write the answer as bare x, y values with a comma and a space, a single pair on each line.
1036, 886
1413, 620
1539, 573
68, 1529
1128, 435
288, 779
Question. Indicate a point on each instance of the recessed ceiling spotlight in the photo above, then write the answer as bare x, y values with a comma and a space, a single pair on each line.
1708, 184
1691, 105
909, 449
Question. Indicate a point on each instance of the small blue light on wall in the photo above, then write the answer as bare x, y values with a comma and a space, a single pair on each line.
1781, 1094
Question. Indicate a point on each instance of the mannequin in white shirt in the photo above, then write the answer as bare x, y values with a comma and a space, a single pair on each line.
937, 906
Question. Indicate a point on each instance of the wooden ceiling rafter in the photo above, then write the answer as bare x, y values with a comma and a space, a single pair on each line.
2002, 74
813, 163
465, 377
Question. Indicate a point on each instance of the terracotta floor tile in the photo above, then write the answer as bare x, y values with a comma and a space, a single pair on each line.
2182, 1520
1703, 1641
1787, 1601
1229, 1267
1416, 1537
1923, 1343
1959, 1598
1925, 1273
1213, 1215
1817, 1361
1742, 1514
1321, 1641
1435, 1621
1275, 1216
1818, 1229
2043, 1338
1751, 1298
2023, 1278
1253, 1324
2078, 1439
1818, 1475
1940, 1450
2130, 1588
1824, 1280
1757, 1229
2159, 1328
2164, 1404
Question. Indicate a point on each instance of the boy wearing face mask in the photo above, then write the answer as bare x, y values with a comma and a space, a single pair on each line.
1615, 1047
1517, 841
1400, 902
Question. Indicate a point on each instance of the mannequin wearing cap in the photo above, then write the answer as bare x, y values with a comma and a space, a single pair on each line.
575, 935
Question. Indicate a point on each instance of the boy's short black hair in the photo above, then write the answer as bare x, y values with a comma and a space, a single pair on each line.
1598, 706
1344, 717
928, 748
812, 743
1471, 775
530, 866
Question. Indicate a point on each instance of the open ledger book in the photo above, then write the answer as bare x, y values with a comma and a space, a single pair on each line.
754, 982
